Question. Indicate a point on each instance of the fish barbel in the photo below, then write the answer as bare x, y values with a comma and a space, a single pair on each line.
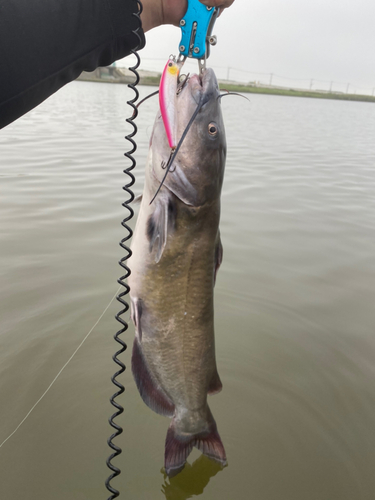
176, 254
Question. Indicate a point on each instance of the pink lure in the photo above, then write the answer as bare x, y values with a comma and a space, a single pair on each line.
167, 100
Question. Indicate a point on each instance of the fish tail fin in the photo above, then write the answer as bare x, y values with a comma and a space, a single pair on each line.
178, 446
212, 446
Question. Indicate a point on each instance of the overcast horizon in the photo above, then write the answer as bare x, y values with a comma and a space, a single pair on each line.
310, 45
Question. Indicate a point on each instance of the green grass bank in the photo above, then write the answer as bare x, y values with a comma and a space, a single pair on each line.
247, 89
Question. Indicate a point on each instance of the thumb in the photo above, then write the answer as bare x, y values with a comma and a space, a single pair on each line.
217, 3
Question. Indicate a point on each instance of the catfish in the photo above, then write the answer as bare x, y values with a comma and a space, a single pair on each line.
176, 253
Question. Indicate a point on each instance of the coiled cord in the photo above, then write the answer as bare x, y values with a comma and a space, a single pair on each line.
121, 296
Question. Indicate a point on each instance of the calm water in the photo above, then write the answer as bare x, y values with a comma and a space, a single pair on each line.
295, 304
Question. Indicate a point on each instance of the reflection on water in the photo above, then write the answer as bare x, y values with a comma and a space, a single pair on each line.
294, 303
192, 480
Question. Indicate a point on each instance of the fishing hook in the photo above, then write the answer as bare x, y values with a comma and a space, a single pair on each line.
174, 153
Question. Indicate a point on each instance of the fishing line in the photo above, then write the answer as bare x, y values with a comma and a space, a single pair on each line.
172, 157
145, 99
60, 372
125, 306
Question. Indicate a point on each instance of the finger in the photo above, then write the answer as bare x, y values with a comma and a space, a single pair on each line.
173, 11
217, 3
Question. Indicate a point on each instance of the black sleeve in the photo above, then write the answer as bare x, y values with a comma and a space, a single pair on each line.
45, 44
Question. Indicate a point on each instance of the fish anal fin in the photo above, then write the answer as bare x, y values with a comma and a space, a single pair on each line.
151, 393
215, 384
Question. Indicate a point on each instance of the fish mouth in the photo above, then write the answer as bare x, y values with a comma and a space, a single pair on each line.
203, 85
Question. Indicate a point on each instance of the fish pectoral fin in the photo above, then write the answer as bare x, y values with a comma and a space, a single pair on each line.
160, 223
178, 183
150, 391
215, 384
218, 255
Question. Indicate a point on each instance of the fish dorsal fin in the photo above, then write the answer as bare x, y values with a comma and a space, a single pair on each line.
160, 223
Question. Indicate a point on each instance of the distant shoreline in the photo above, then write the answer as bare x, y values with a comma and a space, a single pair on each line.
114, 75
299, 93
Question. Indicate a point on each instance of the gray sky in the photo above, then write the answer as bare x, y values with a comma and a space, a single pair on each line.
323, 40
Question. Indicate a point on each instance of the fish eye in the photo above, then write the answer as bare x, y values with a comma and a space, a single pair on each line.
212, 128
170, 64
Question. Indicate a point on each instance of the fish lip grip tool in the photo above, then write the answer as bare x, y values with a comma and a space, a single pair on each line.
196, 27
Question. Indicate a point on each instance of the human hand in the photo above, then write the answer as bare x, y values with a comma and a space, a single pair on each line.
157, 12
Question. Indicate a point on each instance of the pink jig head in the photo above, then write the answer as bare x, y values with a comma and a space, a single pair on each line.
167, 99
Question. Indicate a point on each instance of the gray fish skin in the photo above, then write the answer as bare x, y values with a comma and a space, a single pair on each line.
176, 254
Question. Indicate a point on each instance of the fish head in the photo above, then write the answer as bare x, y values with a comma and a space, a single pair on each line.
197, 171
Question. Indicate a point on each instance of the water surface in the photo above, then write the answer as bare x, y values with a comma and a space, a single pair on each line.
294, 303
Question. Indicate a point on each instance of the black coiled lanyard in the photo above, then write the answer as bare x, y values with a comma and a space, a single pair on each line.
121, 296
